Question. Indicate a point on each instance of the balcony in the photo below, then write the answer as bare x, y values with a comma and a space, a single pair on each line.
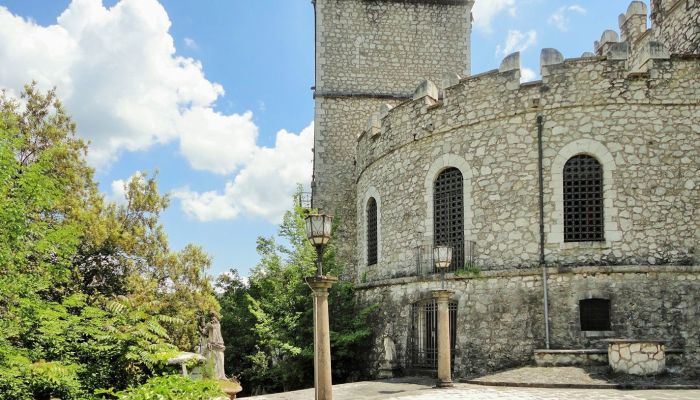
463, 257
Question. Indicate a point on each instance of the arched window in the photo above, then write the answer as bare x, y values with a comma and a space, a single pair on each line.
583, 200
371, 231
448, 214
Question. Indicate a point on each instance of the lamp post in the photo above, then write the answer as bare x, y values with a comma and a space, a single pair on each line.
442, 255
318, 231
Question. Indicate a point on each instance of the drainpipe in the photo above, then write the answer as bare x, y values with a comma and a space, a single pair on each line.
542, 260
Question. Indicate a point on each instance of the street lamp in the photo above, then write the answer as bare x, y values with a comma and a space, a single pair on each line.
318, 231
442, 255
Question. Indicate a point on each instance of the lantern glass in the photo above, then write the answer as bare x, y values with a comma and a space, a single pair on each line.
442, 255
318, 228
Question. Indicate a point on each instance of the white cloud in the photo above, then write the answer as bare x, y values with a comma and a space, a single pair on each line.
517, 41
264, 185
117, 71
527, 75
215, 142
486, 10
191, 43
560, 19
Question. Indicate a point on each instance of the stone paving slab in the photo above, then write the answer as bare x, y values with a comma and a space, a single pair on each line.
581, 377
421, 389
548, 376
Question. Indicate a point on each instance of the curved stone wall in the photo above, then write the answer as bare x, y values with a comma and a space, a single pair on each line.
642, 127
500, 313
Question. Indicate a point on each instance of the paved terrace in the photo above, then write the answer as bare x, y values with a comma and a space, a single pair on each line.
421, 389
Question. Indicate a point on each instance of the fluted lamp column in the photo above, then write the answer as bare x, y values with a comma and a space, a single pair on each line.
442, 255
318, 231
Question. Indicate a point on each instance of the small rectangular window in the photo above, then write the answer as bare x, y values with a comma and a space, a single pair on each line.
595, 314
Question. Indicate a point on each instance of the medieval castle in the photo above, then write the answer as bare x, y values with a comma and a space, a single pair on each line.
571, 203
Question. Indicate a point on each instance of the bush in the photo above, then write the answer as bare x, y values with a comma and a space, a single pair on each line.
40, 381
173, 387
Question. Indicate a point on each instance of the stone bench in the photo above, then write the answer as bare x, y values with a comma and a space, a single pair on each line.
560, 358
637, 357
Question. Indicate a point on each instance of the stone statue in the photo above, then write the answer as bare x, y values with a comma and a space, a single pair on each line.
214, 347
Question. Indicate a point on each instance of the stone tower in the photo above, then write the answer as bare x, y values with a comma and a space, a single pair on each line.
371, 53
677, 25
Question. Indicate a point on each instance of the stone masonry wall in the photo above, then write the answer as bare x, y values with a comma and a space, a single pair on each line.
677, 24
642, 127
334, 143
500, 314
372, 52
389, 46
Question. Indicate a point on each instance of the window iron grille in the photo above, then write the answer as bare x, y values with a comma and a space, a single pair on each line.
372, 232
448, 214
583, 200
424, 333
594, 314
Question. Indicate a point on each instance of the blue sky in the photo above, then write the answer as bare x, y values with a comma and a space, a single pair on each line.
215, 94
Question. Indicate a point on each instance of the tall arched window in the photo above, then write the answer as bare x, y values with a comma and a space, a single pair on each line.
583, 200
448, 214
371, 231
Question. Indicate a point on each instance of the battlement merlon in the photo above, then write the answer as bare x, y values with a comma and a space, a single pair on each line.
567, 83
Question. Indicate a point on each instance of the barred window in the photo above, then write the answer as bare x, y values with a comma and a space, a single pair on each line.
448, 218
594, 314
583, 200
424, 333
371, 231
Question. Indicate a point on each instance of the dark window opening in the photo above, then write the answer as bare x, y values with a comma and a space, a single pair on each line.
583, 200
372, 231
595, 314
424, 333
448, 214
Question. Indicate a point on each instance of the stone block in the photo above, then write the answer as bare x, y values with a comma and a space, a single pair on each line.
426, 89
510, 63
618, 51
548, 57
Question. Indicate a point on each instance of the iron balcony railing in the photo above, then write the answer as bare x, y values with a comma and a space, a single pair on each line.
463, 257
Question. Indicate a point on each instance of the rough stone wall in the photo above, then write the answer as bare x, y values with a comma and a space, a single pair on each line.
337, 120
676, 23
643, 128
500, 314
371, 52
389, 46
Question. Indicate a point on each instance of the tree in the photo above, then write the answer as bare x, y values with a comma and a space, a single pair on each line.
91, 296
268, 322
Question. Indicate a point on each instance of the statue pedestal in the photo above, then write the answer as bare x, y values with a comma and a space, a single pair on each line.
388, 370
323, 382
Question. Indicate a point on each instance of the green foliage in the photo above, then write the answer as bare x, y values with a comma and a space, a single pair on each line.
267, 322
91, 297
469, 270
173, 387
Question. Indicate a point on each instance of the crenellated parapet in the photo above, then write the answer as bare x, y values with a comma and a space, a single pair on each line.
498, 94
675, 28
